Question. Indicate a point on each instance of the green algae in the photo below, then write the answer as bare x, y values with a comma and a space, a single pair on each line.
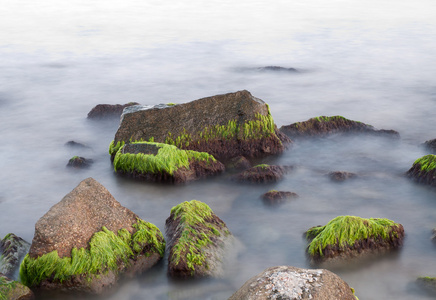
427, 163
262, 166
113, 148
193, 217
6, 287
171, 104
344, 231
168, 159
105, 252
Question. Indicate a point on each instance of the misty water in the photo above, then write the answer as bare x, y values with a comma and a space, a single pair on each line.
370, 61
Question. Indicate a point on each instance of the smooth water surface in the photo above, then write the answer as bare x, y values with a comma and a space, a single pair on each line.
370, 61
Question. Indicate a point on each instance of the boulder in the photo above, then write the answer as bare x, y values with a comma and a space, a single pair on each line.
274, 197
430, 145
428, 283
86, 241
347, 237
160, 162
323, 126
262, 174
424, 170
340, 176
225, 126
197, 241
238, 163
108, 111
12, 251
79, 162
13, 290
291, 283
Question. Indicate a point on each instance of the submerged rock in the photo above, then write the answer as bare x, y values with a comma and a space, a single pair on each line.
13, 290
424, 170
429, 283
347, 237
108, 111
77, 145
274, 197
277, 69
79, 162
197, 241
323, 126
164, 163
286, 282
340, 176
12, 251
225, 126
430, 145
262, 174
86, 241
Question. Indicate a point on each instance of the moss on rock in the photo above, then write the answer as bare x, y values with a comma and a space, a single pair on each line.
106, 252
349, 233
13, 290
424, 170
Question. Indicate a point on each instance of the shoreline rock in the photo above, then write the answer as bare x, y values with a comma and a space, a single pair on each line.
12, 251
423, 170
108, 111
13, 290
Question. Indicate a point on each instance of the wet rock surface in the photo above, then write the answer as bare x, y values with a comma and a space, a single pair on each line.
197, 241
12, 251
108, 111
278, 197
263, 174
323, 126
78, 162
339, 176
286, 282
13, 290
225, 126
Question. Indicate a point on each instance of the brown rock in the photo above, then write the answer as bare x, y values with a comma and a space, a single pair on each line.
277, 197
340, 176
13, 290
262, 174
286, 282
218, 125
79, 162
105, 111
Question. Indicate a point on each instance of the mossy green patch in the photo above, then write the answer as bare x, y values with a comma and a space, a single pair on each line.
193, 218
6, 286
262, 166
344, 231
113, 148
171, 104
427, 163
105, 252
168, 159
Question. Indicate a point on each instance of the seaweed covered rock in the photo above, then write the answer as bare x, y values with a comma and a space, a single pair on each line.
12, 251
428, 283
86, 241
424, 170
13, 290
323, 126
224, 126
262, 174
340, 176
286, 282
347, 237
274, 197
108, 111
197, 241
79, 162
160, 162
430, 145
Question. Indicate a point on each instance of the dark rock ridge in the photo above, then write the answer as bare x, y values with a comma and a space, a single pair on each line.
13, 290
86, 241
107, 111
340, 176
225, 126
323, 126
197, 241
347, 237
286, 282
262, 174
430, 145
12, 251
79, 162
159, 162
274, 197
424, 170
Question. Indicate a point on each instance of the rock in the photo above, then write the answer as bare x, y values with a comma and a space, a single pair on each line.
79, 162
424, 170
13, 290
347, 237
225, 126
159, 162
291, 283
430, 145
428, 283
277, 69
107, 111
262, 174
323, 126
12, 251
274, 197
340, 176
238, 163
87, 241
197, 241
76, 145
